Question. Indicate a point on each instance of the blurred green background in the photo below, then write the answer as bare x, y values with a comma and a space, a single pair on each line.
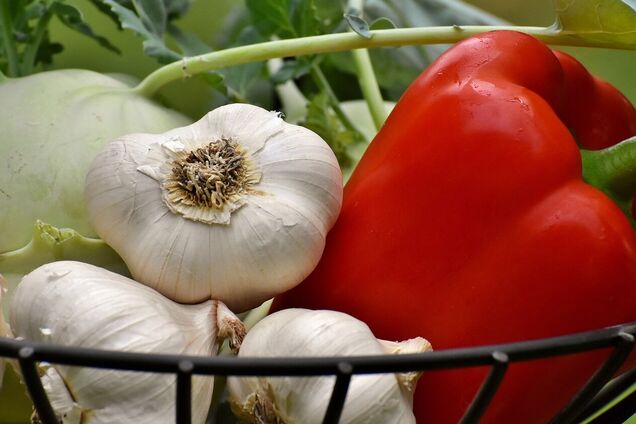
194, 98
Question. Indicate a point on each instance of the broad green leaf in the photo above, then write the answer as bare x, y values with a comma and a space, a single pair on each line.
295, 68
284, 18
73, 19
216, 81
304, 18
272, 17
153, 15
154, 45
176, 8
239, 79
189, 43
610, 22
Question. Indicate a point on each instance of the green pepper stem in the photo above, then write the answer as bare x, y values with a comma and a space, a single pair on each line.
613, 170
344, 42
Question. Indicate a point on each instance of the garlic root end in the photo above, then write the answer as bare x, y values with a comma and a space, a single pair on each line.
408, 380
229, 326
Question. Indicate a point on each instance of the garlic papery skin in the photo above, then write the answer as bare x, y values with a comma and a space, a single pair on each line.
234, 207
374, 398
75, 304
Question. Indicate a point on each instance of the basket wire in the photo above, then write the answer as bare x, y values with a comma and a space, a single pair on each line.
593, 395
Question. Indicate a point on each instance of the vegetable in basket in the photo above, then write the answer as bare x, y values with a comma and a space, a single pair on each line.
468, 221
375, 398
76, 304
234, 207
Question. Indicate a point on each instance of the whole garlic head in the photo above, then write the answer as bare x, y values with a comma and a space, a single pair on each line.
76, 304
374, 398
234, 207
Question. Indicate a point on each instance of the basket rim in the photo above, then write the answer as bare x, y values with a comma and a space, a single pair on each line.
485, 355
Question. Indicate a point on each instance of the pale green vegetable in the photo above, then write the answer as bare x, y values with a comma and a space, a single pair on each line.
53, 123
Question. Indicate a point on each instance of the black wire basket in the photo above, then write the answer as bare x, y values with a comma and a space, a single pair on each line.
596, 393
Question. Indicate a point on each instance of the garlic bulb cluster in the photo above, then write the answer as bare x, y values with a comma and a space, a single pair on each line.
377, 398
234, 207
76, 304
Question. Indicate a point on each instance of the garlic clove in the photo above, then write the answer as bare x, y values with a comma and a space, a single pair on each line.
72, 303
408, 380
234, 207
293, 400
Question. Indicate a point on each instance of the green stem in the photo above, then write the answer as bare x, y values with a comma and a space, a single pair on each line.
7, 37
30, 52
369, 86
613, 170
343, 42
368, 82
324, 85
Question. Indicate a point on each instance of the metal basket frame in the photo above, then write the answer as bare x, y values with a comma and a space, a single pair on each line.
594, 394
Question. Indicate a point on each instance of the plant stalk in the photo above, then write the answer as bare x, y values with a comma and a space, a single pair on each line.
369, 86
343, 42
7, 37
30, 52
368, 82
324, 85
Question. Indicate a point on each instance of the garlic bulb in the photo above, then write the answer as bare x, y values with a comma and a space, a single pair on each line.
76, 304
234, 207
374, 398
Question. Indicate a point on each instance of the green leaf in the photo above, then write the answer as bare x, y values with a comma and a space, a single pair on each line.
189, 43
239, 79
304, 18
612, 22
152, 14
358, 25
216, 81
272, 17
295, 68
71, 17
383, 23
284, 18
46, 50
323, 121
176, 8
153, 44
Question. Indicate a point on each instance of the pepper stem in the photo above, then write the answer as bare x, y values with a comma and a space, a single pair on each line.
613, 171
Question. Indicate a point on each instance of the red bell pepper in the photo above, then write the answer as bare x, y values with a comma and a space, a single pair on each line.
468, 222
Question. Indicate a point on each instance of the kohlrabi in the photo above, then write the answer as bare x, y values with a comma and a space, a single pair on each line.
53, 124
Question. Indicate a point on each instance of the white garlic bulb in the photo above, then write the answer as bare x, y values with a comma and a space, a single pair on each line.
375, 398
234, 207
77, 304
